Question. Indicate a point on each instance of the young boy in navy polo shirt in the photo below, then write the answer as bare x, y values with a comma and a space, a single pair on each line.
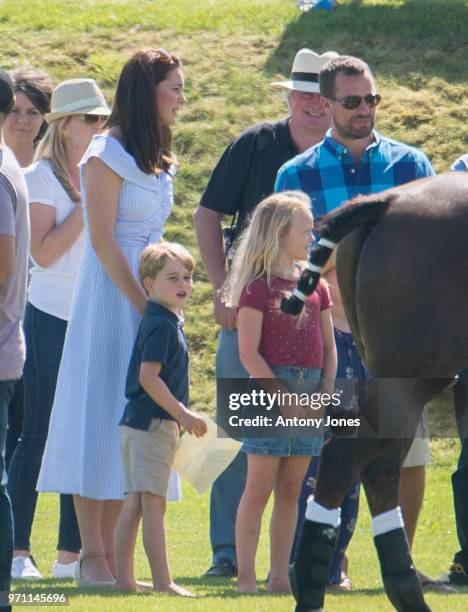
157, 391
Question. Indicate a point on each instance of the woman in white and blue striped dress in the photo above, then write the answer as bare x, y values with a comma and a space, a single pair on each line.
126, 178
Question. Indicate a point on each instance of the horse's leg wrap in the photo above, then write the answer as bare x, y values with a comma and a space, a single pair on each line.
400, 580
309, 573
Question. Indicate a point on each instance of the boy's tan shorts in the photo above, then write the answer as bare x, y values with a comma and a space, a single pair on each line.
148, 456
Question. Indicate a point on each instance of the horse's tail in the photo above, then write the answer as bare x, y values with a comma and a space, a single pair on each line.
364, 210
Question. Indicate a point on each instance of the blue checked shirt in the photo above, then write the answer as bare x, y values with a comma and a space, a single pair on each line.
328, 174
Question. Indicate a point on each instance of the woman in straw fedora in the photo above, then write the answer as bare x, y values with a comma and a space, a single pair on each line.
57, 247
127, 196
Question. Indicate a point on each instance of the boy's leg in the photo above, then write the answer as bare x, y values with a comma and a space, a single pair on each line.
153, 508
288, 483
261, 476
125, 540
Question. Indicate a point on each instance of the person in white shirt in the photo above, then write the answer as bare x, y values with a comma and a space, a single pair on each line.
57, 246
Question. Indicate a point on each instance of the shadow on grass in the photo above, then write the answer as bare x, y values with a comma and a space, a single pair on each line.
418, 37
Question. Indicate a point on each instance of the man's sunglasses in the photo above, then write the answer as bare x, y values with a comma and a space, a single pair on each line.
353, 102
93, 119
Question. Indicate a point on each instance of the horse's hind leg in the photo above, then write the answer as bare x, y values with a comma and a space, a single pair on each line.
380, 479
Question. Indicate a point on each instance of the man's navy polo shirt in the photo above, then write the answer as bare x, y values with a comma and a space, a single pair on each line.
246, 172
328, 173
160, 339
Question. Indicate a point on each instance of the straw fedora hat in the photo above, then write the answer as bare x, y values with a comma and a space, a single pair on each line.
76, 97
305, 71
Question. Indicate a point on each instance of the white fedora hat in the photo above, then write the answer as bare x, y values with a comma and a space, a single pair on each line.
305, 71
77, 97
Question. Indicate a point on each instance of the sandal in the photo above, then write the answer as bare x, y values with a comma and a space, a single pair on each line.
85, 582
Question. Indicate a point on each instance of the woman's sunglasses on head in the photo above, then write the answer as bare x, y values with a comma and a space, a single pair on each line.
353, 102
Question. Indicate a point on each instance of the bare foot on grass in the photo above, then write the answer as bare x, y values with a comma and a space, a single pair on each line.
133, 587
247, 586
125, 586
278, 586
174, 589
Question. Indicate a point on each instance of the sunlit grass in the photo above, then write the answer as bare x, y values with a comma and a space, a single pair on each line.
232, 50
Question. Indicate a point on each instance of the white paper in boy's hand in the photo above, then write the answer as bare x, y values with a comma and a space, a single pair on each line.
200, 461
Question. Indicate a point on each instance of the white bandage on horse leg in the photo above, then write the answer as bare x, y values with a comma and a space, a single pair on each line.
313, 268
317, 513
387, 521
329, 244
301, 296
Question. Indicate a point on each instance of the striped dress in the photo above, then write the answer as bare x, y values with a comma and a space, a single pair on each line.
82, 454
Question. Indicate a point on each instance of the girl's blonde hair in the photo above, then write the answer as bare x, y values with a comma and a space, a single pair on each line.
52, 148
258, 249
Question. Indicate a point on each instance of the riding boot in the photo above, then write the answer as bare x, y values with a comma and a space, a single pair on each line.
309, 573
400, 580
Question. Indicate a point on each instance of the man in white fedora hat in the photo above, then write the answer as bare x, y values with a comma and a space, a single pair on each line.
243, 176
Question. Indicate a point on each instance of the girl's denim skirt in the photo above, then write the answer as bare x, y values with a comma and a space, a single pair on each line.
297, 380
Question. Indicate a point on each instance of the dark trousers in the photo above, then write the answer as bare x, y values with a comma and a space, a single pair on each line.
349, 515
6, 519
45, 335
460, 476
350, 377
15, 421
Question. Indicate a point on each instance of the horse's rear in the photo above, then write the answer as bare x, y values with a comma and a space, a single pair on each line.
405, 281
403, 273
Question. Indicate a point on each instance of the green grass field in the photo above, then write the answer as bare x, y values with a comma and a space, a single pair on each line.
232, 50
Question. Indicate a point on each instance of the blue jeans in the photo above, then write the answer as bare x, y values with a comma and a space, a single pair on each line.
300, 381
15, 420
228, 488
45, 335
6, 519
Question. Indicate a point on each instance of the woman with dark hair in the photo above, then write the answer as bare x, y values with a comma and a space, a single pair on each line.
23, 128
25, 125
57, 246
127, 196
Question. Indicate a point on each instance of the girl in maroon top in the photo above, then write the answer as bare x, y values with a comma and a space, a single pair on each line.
298, 352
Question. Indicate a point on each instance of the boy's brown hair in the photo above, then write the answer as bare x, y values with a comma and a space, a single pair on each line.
154, 256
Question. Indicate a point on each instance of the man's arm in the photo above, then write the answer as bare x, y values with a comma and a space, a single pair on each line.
223, 196
7, 256
7, 231
210, 243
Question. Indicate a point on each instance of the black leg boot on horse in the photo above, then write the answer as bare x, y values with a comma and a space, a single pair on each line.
338, 470
401, 582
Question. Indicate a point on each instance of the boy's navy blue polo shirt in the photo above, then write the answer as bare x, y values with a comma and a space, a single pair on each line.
160, 339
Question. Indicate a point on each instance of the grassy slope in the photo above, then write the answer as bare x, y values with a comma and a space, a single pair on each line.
232, 49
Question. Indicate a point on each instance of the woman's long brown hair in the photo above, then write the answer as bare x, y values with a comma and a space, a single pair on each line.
135, 111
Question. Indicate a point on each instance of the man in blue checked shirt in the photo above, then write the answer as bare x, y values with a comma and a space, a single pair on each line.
354, 159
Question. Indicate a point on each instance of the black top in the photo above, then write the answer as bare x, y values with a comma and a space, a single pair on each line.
160, 339
246, 171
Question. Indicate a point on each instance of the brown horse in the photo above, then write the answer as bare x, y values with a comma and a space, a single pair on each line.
402, 267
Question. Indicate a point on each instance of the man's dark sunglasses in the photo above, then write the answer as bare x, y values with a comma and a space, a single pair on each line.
353, 102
